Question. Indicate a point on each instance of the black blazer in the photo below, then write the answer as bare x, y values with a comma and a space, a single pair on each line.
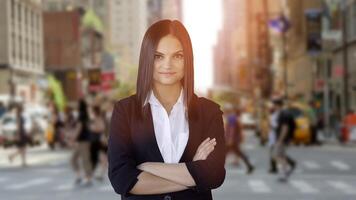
132, 141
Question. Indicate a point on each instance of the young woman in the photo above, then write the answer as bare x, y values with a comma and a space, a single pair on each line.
165, 142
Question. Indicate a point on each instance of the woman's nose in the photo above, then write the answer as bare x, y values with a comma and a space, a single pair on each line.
168, 62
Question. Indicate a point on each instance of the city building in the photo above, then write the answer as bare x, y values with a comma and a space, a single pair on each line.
21, 53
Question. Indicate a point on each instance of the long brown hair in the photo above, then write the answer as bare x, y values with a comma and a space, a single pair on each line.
149, 45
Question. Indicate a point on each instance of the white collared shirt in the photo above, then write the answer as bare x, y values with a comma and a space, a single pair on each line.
172, 132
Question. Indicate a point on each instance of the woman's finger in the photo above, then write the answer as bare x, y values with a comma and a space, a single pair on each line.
204, 142
208, 152
207, 148
208, 143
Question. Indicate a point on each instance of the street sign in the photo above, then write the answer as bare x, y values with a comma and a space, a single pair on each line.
279, 24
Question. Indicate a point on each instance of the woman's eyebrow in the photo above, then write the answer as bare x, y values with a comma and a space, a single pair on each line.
179, 51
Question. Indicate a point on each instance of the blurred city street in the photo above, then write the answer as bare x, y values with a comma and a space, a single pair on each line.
282, 72
326, 172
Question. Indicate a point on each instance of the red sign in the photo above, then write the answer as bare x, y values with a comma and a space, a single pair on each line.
107, 80
319, 84
338, 71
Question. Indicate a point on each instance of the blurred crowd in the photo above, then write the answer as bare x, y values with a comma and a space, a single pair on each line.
279, 123
81, 128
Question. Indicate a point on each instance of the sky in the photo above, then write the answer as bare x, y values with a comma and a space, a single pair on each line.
203, 19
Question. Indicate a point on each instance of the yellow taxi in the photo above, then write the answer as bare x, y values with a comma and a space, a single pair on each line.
302, 133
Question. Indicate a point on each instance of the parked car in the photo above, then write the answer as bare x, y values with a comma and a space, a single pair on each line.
35, 127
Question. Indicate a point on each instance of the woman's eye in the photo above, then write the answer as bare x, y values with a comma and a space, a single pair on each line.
158, 57
179, 56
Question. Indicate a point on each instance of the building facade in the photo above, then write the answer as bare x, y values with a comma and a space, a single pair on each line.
21, 55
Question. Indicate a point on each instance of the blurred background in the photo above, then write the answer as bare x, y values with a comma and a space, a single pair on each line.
247, 53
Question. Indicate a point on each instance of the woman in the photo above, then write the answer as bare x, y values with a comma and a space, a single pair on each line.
165, 142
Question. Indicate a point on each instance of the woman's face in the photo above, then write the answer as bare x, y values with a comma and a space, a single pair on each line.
168, 61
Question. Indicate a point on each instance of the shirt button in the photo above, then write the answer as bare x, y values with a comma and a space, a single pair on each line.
167, 197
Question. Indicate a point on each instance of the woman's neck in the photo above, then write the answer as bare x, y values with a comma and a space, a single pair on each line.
167, 95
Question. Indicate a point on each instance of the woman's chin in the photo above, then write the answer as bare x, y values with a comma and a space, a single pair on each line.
167, 82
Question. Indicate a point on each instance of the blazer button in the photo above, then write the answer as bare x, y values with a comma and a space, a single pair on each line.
167, 197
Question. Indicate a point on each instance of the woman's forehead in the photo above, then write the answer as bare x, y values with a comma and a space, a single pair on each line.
169, 44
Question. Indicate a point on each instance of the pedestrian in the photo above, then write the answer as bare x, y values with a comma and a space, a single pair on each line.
273, 124
284, 134
165, 142
97, 129
234, 137
22, 138
71, 123
81, 154
312, 116
59, 126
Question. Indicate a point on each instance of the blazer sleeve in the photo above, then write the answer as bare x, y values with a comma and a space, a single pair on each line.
123, 170
210, 173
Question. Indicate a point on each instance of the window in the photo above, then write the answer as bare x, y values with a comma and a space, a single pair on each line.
25, 45
20, 47
33, 50
353, 21
13, 41
329, 67
13, 10
19, 11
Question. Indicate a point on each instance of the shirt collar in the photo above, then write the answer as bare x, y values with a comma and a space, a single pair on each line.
151, 98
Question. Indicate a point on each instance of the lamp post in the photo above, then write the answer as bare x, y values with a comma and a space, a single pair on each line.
281, 25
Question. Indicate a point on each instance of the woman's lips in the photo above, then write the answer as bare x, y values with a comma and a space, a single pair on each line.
167, 73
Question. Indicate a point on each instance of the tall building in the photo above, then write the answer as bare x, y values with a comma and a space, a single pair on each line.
231, 51
291, 59
100, 9
172, 9
21, 53
74, 48
335, 76
62, 41
127, 25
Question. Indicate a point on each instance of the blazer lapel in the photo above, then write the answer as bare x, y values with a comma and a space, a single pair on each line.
194, 135
151, 135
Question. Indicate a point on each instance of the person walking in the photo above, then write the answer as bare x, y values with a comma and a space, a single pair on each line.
284, 134
81, 154
273, 125
22, 139
97, 128
234, 138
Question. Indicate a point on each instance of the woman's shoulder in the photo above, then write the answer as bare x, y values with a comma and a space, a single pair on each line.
126, 102
208, 105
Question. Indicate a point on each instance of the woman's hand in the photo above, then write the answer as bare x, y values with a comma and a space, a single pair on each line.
204, 149
143, 166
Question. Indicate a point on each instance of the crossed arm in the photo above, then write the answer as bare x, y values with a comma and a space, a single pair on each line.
206, 170
159, 178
